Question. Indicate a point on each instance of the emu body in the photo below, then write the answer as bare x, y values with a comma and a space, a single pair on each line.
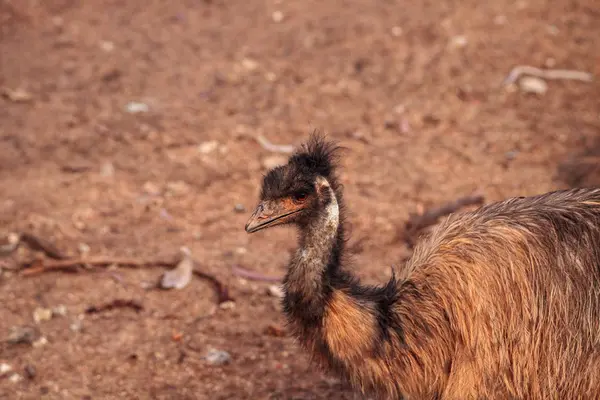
502, 302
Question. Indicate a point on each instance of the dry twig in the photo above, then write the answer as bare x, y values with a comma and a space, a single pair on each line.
74, 264
519, 70
418, 222
118, 303
275, 148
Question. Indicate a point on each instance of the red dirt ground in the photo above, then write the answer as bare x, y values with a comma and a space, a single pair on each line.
425, 120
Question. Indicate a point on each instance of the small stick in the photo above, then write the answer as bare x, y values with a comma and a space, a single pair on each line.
275, 148
39, 244
222, 290
517, 71
71, 265
418, 222
118, 303
255, 276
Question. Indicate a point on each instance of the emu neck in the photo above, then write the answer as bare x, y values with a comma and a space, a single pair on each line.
316, 264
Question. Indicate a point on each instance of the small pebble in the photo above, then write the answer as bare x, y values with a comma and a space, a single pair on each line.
83, 248
531, 84
458, 41
397, 31
208, 147
151, 188
277, 16
4, 369
17, 95
15, 378
30, 371
227, 305
249, 64
553, 30
107, 170
76, 325
135, 107
40, 342
107, 46
60, 310
275, 291
42, 314
239, 208
217, 357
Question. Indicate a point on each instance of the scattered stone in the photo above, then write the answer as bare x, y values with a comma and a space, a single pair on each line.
42, 341
241, 250
208, 147
249, 64
135, 107
275, 291
271, 76
42, 314
217, 357
17, 95
227, 305
277, 16
30, 371
107, 170
5, 369
458, 41
59, 310
76, 326
151, 188
553, 30
107, 46
397, 31
22, 334
83, 248
15, 378
239, 208
9, 243
181, 275
274, 161
531, 84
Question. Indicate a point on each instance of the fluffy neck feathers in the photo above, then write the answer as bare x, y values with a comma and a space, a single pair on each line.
315, 267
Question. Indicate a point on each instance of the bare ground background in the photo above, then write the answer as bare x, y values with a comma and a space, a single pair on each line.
412, 89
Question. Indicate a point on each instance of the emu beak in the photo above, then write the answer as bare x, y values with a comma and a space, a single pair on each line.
271, 213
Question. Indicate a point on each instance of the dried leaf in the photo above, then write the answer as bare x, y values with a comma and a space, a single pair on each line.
181, 275
17, 95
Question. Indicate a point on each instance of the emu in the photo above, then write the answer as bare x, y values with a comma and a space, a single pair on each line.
498, 303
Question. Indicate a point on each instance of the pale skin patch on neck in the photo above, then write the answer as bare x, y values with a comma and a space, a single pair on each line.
333, 210
313, 256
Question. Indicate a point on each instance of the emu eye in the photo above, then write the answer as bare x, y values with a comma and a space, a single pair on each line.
299, 197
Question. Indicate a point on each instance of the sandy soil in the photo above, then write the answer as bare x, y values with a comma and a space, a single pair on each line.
412, 89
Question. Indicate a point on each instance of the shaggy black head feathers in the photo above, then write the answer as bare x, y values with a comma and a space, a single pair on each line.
317, 157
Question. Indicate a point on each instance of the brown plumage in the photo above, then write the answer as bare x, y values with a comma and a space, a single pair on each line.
502, 302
